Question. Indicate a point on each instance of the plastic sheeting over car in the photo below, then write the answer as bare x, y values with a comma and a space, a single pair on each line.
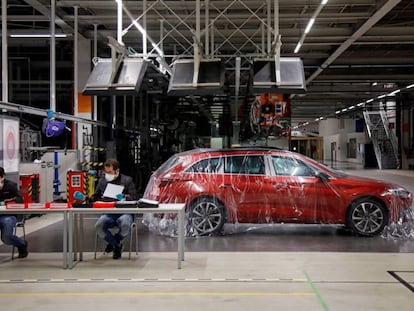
255, 185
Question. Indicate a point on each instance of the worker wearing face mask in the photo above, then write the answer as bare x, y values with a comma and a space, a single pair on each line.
121, 221
10, 193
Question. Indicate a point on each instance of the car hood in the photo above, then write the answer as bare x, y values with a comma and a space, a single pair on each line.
360, 181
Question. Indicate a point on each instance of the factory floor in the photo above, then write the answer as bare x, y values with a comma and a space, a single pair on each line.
279, 267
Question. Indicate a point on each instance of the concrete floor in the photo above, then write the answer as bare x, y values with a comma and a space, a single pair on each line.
281, 267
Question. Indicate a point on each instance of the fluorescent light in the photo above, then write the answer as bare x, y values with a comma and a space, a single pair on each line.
297, 48
395, 92
370, 100
345, 109
28, 35
338, 111
351, 107
374, 83
309, 26
324, 2
360, 104
381, 96
410, 86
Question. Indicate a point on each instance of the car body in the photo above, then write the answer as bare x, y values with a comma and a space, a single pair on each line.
270, 185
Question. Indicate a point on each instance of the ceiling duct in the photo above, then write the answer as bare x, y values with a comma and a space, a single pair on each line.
285, 76
204, 78
121, 79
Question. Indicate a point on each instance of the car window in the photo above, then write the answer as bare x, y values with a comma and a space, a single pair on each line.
251, 164
289, 166
172, 161
210, 165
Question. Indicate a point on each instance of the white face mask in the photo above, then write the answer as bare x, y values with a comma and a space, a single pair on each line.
110, 177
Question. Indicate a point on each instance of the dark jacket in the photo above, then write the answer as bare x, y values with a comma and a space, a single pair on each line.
129, 190
10, 192
123, 180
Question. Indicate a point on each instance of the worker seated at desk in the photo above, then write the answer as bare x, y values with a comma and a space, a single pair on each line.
114, 187
10, 193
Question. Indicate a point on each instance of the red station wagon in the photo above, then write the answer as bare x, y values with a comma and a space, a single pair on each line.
266, 185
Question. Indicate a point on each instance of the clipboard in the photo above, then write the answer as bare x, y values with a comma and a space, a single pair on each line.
112, 190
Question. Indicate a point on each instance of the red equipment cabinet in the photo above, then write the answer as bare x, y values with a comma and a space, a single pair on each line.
77, 181
30, 188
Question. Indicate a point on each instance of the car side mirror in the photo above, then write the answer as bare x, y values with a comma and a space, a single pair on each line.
323, 176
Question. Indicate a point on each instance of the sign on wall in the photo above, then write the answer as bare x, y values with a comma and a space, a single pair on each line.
10, 146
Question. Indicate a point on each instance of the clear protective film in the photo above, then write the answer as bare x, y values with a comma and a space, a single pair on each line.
241, 189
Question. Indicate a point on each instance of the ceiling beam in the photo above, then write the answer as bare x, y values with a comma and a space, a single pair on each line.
355, 36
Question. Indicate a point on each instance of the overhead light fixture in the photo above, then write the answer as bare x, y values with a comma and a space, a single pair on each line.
297, 48
381, 96
345, 109
32, 35
338, 111
374, 83
410, 86
370, 100
393, 93
360, 104
351, 107
309, 26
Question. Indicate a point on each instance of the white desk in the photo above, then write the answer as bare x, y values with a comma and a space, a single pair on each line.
28, 211
168, 208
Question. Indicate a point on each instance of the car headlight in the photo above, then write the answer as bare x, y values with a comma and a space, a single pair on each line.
401, 193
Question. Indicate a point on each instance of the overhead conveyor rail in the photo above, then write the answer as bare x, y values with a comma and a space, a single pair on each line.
42, 112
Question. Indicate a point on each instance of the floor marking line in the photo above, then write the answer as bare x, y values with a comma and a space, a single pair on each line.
79, 294
395, 275
315, 290
131, 280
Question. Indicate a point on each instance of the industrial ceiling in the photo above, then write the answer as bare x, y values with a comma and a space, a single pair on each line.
356, 50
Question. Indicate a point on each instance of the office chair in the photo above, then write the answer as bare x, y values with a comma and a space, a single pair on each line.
19, 224
134, 228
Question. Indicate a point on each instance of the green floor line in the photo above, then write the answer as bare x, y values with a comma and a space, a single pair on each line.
315, 290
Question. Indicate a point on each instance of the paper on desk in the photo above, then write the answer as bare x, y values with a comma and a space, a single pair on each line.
112, 190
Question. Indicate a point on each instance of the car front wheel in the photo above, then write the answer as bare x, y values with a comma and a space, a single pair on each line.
367, 217
206, 217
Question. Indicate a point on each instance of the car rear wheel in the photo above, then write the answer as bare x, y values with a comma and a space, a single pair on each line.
367, 217
206, 217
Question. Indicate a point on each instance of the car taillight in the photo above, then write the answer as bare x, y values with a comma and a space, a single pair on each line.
164, 182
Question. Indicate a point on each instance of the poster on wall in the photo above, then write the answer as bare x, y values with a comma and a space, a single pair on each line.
10, 145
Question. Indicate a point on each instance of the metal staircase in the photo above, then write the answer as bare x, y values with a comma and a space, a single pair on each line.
383, 139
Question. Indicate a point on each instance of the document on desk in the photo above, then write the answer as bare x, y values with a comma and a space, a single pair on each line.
112, 190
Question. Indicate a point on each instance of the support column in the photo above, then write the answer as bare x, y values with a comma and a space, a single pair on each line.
4, 52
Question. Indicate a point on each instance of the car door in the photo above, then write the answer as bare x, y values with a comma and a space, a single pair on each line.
295, 190
245, 191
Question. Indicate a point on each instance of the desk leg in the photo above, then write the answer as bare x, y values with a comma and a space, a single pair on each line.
180, 237
65, 240
79, 230
70, 240
75, 238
